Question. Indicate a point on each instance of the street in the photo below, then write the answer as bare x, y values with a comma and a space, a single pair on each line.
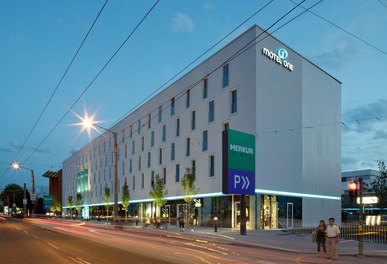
53, 241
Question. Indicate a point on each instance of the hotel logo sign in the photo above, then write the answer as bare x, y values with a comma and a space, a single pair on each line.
279, 57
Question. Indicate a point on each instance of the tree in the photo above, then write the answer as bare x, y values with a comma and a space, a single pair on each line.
188, 186
125, 199
379, 185
158, 192
79, 203
56, 207
13, 193
70, 203
106, 200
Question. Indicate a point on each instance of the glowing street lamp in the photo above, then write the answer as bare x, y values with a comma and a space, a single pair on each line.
18, 166
89, 123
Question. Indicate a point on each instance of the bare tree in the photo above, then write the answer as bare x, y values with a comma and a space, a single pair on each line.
379, 185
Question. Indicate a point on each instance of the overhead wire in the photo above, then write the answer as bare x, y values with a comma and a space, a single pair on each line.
93, 80
61, 79
344, 30
236, 54
195, 60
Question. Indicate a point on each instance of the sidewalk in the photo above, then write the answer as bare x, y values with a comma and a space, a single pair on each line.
272, 239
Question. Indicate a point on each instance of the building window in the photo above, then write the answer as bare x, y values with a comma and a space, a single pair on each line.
152, 178
177, 174
205, 88
177, 127
149, 120
226, 126
149, 160
139, 126
164, 134
133, 147
126, 151
172, 106
234, 101
211, 111
130, 134
193, 120
160, 155
173, 151
142, 180
152, 138
123, 168
188, 99
130, 166
205, 140
123, 139
165, 175
139, 163
142, 143
187, 147
225, 75
160, 117
134, 183
193, 167
212, 165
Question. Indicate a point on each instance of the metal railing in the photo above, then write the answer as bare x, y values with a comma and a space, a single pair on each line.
376, 234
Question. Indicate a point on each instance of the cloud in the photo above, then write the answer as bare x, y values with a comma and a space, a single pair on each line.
380, 134
182, 23
209, 6
7, 150
339, 53
362, 118
17, 146
75, 150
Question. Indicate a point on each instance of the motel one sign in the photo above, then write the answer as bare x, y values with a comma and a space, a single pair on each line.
279, 57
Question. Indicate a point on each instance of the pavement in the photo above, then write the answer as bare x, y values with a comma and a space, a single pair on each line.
269, 239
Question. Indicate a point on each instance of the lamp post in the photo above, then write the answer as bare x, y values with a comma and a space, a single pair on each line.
18, 166
88, 123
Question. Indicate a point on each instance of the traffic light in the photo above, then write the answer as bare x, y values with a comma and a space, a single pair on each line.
352, 189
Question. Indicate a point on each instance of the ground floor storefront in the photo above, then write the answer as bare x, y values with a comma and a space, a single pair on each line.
262, 211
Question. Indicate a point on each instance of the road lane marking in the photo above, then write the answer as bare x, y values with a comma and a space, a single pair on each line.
79, 260
206, 248
52, 245
26, 232
83, 261
35, 237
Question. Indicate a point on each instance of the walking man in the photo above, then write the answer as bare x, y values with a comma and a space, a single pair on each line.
333, 234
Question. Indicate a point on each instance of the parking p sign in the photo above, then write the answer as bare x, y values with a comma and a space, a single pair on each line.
238, 162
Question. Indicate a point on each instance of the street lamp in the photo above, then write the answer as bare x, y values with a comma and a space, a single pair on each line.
18, 166
89, 123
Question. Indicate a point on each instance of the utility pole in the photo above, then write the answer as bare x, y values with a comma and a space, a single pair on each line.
360, 227
24, 201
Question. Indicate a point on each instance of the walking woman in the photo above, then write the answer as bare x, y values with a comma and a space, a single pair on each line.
321, 238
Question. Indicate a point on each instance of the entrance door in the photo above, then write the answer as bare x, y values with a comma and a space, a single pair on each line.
237, 214
274, 215
289, 215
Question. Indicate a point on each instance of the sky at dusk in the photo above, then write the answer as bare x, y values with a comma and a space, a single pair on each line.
38, 39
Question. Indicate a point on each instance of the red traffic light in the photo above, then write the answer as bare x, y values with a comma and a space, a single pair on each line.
352, 189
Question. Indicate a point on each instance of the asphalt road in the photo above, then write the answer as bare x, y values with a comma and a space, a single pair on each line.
52, 241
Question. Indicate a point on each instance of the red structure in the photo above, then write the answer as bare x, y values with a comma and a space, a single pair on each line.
55, 184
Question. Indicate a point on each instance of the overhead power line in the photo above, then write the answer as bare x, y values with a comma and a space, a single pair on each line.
93, 80
61, 79
235, 55
343, 29
191, 63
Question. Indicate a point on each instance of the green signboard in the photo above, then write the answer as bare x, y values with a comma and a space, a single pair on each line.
48, 200
238, 162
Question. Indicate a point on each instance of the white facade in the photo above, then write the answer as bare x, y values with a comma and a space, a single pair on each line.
295, 115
